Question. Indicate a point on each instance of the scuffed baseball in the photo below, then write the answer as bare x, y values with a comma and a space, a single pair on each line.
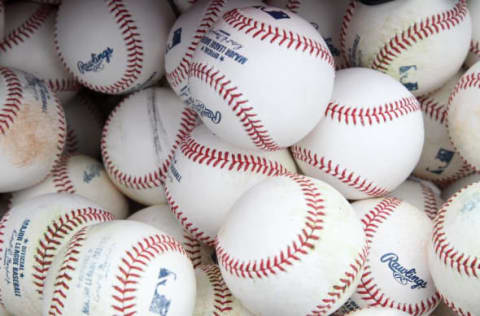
357, 147
213, 295
422, 47
325, 15
29, 45
421, 194
84, 126
32, 233
474, 53
304, 240
232, 86
106, 271
376, 311
464, 118
160, 217
396, 274
456, 186
32, 129
453, 251
116, 48
185, 36
232, 171
82, 175
137, 156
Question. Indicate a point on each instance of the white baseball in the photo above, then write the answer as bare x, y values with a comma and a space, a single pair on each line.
439, 162
261, 78
231, 171
185, 35
474, 53
139, 139
464, 118
325, 15
113, 46
297, 236
213, 295
422, 194
160, 217
456, 186
375, 311
32, 130
184, 5
453, 251
84, 126
29, 45
412, 47
396, 274
82, 175
105, 271
443, 310
368, 143
31, 235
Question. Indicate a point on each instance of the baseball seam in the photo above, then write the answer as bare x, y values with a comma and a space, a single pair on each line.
222, 297
367, 289
12, 103
62, 279
457, 309
192, 248
237, 102
351, 115
274, 35
55, 233
180, 73
430, 201
335, 170
131, 266
60, 177
62, 131
134, 50
347, 19
475, 48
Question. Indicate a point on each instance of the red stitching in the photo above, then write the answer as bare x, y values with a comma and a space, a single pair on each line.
155, 178
419, 31
134, 46
12, 102
431, 108
430, 201
132, 265
278, 36
344, 175
222, 297
475, 48
347, 19
56, 232
27, 28
60, 177
457, 309
192, 248
367, 288
238, 104
60, 85
375, 115
294, 5
180, 73
446, 251
62, 130
61, 286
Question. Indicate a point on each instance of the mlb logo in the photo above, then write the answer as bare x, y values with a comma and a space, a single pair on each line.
161, 301
276, 14
177, 37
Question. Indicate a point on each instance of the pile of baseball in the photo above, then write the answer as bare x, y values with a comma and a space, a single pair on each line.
240, 157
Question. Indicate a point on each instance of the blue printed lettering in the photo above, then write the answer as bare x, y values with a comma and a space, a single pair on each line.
401, 274
96, 62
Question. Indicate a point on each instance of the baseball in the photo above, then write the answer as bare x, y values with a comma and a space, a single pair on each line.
213, 295
32, 233
393, 277
231, 171
443, 310
104, 271
464, 118
456, 186
304, 240
32, 130
325, 15
82, 175
421, 194
137, 156
359, 138
233, 91
160, 217
453, 251
422, 47
2, 19
84, 126
114, 47
474, 53
375, 311
29, 45
185, 36
184, 5
439, 161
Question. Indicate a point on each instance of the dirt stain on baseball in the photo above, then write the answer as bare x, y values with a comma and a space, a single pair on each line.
31, 138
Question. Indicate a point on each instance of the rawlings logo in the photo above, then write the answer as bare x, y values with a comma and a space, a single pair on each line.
401, 274
96, 64
40, 90
203, 111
